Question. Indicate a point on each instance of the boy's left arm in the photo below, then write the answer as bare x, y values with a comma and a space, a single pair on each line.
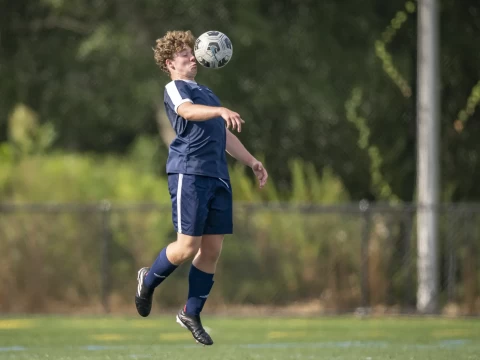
237, 150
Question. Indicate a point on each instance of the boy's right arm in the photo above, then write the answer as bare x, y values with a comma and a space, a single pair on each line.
196, 112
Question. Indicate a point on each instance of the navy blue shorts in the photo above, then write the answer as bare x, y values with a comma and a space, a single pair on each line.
201, 204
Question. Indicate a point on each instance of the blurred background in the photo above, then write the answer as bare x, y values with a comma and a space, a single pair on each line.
328, 90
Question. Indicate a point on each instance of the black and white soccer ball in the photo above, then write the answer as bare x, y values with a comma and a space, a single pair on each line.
213, 49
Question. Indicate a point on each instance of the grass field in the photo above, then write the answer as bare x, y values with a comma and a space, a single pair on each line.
340, 338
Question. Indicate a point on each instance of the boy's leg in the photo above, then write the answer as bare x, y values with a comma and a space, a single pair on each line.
171, 257
200, 281
167, 261
219, 222
201, 273
189, 212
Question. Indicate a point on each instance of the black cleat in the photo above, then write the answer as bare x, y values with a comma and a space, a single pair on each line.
143, 297
194, 324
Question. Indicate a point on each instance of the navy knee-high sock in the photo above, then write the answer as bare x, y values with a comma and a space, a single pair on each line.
199, 285
160, 270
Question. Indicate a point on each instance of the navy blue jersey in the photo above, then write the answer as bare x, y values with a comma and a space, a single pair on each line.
199, 147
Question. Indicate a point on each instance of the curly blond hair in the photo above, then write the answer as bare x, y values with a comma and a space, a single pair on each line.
171, 43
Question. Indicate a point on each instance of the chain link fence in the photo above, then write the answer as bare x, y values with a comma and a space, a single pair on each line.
321, 259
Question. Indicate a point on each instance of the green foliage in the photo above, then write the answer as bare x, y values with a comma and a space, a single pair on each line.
61, 177
273, 247
27, 135
139, 177
310, 188
80, 94
383, 54
381, 188
86, 68
472, 101
137, 235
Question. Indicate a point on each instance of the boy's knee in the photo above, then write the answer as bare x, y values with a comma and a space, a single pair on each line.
189, 250
186, 247
210, 253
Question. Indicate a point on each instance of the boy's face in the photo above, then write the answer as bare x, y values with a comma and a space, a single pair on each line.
184, 64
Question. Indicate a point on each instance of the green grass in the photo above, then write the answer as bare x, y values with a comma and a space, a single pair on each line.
339, 338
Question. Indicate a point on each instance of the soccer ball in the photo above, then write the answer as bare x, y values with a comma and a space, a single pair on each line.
213, 49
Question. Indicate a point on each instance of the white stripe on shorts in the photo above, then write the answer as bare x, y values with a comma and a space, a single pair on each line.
224, 182
179, 203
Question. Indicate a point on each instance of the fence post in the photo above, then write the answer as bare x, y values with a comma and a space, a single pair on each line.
105, 209
470, 264
451, 252
408, 298
366, 216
